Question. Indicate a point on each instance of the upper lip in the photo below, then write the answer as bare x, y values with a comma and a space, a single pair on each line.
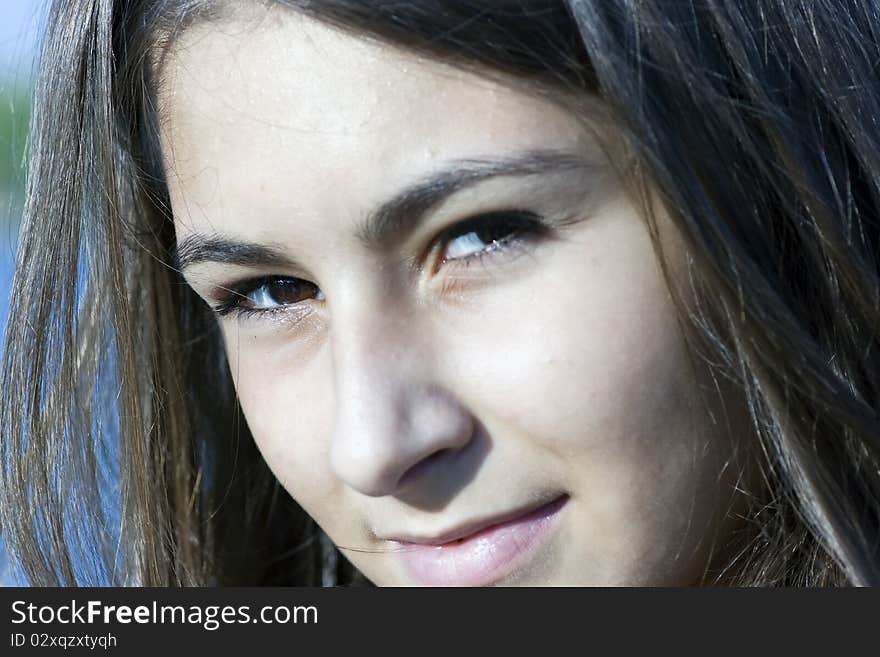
471, 527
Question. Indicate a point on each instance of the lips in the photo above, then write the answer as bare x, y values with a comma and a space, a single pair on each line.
481, 554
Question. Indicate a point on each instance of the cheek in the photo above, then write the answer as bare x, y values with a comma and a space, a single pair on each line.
583, 354
287, 398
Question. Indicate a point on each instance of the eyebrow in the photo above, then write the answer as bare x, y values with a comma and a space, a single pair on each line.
391, 221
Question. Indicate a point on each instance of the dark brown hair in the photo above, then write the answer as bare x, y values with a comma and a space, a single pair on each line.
755, 122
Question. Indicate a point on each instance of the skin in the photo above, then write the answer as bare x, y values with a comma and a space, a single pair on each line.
411, 396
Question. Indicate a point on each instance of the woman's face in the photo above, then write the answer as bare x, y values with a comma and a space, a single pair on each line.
444, 317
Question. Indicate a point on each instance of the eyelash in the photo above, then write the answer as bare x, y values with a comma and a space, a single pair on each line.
526, 227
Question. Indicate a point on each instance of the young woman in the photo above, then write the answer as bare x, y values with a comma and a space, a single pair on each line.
570, 293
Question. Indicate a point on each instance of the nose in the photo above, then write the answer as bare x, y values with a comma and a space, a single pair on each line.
392, 417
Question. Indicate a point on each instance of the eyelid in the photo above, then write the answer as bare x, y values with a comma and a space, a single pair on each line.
231, 296
530, 226
229, 293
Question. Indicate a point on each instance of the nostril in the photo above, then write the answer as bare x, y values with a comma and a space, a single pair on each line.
424, 466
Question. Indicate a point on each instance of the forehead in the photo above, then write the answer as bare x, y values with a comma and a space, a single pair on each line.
271, 104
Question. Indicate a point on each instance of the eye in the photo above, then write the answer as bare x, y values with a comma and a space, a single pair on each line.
490, 232
262, 295
495, 233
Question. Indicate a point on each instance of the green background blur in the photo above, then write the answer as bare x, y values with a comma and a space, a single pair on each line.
14, 117
21, 24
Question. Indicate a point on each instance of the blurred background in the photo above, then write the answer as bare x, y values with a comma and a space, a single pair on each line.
21, 28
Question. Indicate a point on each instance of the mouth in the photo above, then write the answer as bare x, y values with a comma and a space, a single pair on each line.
482, 553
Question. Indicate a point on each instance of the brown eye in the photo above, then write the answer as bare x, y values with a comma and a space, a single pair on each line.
266, 294
274, 292
486, 233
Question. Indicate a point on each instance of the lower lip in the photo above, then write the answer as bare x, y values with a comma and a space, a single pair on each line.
484, 557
